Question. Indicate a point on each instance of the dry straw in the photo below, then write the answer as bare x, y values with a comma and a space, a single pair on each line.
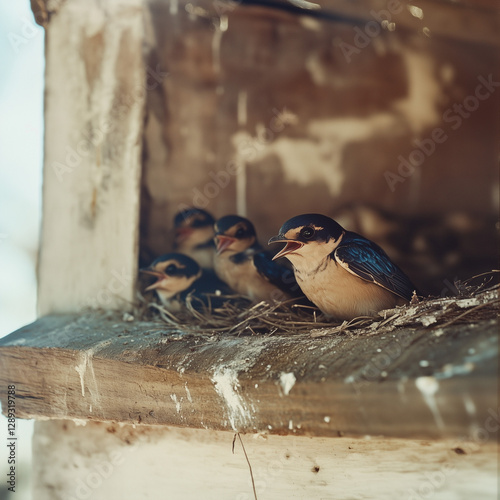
238, 316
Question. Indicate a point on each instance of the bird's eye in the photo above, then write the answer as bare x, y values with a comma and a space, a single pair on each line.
170, 270
240, 233
307, 233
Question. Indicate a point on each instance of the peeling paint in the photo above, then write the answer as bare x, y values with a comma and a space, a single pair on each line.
227, 386
188, 393
81, 368
469, 405
287, 381
85, 366
317, 69
326, 139
429, 386
450, 370
173, 397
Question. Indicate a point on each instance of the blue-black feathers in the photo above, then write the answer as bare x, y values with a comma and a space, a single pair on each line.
368, 261
195, 217
279, 276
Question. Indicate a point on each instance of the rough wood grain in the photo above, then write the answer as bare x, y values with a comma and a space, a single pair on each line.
412, 383
94, 99
109, 461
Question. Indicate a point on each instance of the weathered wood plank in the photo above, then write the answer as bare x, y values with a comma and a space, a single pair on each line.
94, 100
109, 461
411, 383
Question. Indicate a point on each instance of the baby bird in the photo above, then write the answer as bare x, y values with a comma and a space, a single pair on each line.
245, 267
194, 233
178, 276
342, 273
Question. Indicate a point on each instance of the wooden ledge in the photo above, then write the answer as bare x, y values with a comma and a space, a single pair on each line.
412, 383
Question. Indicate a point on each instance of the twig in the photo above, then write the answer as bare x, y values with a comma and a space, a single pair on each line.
248, 462
469, 311
493, 271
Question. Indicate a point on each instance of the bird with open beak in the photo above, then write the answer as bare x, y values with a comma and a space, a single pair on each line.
194, 233
177, 276
342, 273
242, 263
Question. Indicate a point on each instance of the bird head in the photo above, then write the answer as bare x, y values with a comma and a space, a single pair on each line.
309, 237
193, 226
234, 234
174, 273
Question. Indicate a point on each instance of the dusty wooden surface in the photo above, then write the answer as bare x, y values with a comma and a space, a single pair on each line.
420, 383
110, 461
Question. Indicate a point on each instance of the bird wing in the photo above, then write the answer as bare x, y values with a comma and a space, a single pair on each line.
207, 284
279, 276
368, 261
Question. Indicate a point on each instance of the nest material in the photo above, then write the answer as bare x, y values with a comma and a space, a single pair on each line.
239, 316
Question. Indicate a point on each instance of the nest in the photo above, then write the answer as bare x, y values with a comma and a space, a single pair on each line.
239, 316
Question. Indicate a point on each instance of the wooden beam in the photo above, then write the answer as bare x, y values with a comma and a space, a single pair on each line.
104, 461
95, 86
418, 383
477, 22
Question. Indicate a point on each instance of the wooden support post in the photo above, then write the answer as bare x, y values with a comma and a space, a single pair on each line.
93, 145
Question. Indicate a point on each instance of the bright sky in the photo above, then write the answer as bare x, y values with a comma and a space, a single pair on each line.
21, 152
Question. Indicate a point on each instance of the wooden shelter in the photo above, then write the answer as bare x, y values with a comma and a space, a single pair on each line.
381, 113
